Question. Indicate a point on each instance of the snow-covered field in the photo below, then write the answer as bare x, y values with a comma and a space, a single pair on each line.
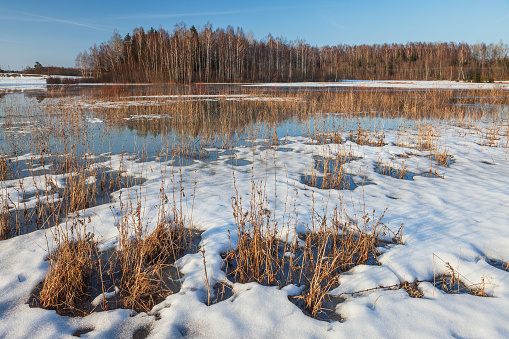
460, 219
11, 82
21, 82
403, 84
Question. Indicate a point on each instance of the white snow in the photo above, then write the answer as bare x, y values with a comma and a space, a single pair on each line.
97, 300
404, 84
21, 82
95, 121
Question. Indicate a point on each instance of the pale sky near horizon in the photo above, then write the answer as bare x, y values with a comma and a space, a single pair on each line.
53, 32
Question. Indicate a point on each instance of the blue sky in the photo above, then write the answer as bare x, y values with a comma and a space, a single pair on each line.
53, 32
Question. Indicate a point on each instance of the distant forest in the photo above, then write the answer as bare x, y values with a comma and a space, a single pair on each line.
188, 55
51, 70
46, 70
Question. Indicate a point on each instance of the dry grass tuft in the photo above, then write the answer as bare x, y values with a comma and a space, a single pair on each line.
256, 255
166, 243
64, 288
334, 137
442, 158
453, 282
5, 226
5, 168
328, 249
412, 289
336, 248
141, 285
363, 137
427, 137
399, 172
143, 258
491, 135
403, 138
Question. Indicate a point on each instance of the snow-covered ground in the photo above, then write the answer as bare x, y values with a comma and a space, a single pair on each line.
403, 84
461, 218
21, 82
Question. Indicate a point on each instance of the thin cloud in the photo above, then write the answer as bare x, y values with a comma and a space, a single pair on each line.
19, 42
177, 15
335, 24
330, 19
36, 17
505, 17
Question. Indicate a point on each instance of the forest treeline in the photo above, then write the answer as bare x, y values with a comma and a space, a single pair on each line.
187, 55
46, 70
51, 70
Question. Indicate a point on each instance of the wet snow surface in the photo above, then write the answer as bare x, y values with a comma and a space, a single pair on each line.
460, 218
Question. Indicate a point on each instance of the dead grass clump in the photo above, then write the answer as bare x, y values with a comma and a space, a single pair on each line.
358, 241
334, 137
5, 226
256, 256
141, 285
427, 137
142, 258
328, 249
166, 243
322, 266
333, 181
479, 289
143, 261
328, 171
140, 268
5, 169
333, 173
442, 158
363, 137
453, 282
491, 136
336, 248
403, 138
336, 181
412, 289
70, 266
400, 172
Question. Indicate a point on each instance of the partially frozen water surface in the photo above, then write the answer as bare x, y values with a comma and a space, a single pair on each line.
297, 169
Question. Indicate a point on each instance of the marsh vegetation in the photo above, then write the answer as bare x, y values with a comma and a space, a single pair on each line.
121, 181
